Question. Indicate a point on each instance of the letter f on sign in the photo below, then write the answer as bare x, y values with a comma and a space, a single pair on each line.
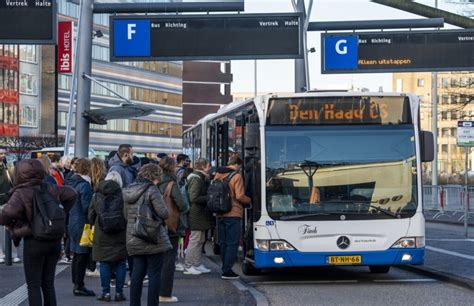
131, 30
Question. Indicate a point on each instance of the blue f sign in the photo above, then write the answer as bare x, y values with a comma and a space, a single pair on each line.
340, 52
131, 37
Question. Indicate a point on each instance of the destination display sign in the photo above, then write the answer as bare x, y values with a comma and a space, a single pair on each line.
216, 37
27, 22
447, 50
338, 110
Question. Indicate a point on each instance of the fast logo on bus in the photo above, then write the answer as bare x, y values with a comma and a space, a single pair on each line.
340, 110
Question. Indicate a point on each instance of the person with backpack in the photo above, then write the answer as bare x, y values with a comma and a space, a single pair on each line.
81, 182
147, 233
199, 218
176, 206
229, 220
110, 227
36, 213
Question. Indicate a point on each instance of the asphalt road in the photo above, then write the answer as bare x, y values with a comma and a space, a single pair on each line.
356, 286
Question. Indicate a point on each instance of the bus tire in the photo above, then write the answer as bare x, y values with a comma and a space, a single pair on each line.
379, 269
249, 269
216, 248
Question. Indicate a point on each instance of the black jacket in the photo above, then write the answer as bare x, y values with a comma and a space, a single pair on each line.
107, 247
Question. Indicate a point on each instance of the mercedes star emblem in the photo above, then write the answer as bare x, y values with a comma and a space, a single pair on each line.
343, 242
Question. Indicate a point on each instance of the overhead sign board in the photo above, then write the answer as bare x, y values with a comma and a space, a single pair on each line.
27, 22
216, 37
447, 50
465, 133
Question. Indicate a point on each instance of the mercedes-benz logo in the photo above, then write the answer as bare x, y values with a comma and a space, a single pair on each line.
343, 242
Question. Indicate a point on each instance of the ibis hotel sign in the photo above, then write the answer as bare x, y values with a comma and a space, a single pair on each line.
27, 22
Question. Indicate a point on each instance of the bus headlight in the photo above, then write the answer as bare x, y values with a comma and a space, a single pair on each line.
280, 245
409, 243
263, 245
273, 245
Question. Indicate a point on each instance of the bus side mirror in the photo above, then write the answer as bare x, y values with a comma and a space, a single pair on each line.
251, 135
427, 146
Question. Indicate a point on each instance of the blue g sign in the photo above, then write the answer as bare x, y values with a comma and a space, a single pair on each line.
340, 52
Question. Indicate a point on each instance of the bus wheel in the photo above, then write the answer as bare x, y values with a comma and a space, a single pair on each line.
249, 269
379, 269
216, 248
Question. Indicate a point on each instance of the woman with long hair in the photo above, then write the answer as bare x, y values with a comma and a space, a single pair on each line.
170, 191
97, 172
81, 182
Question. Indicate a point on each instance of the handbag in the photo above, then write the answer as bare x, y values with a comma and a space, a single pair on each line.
173, 212
87, 236
146, 226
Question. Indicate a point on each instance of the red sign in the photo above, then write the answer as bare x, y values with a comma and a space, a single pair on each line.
9, 96
65, 42
9, 130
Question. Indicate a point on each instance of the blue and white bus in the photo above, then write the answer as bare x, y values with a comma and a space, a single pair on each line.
335, 178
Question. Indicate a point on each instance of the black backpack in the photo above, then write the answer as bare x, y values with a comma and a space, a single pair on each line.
49, 217
218, 195
110, 213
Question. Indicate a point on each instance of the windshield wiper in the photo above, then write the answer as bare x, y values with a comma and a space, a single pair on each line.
385, 211
296, 217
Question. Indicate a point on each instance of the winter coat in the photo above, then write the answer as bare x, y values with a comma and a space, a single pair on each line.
199, 219
178, 200
237, 191
17, 213
5, 183
128, 173
180, 178
50, 179
132, 196
78, 214
107, 247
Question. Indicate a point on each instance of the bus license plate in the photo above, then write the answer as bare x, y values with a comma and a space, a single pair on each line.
345, 260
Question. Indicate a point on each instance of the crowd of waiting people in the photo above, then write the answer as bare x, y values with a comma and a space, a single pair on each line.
143, 212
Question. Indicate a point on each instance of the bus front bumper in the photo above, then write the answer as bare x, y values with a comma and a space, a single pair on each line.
390, 257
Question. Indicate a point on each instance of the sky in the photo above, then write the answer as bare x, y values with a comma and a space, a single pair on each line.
278, 75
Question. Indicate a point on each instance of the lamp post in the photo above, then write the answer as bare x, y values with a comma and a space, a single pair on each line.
169, 132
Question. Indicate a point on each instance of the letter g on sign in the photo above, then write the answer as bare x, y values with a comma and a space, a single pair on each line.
338, 47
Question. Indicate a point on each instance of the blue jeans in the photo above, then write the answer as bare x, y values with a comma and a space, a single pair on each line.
143, 265
106, 271
229, 236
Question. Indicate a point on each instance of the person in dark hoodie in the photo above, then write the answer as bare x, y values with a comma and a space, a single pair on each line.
109, 248
123, 163
168, 165
229, 224
40, 257
81, 182
147, 256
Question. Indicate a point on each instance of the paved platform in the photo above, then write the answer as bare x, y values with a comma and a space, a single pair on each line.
449, 254
206, 289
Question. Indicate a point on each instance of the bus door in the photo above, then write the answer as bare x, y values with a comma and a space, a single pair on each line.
222, 143
251, 172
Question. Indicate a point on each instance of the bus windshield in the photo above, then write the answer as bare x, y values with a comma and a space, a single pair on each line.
340, 172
